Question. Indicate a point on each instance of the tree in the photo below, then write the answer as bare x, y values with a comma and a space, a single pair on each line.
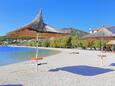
45, 43
84, 44
74, 41
33, 43
91, 44
55, 42
66, 42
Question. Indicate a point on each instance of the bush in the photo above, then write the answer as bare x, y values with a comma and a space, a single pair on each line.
55, 42
74, 41
45, 43
97, 43
84, 43
66, 42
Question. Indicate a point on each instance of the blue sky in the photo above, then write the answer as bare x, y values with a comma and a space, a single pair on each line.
81, 14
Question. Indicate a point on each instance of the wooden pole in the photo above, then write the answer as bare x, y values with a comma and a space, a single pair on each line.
37, 50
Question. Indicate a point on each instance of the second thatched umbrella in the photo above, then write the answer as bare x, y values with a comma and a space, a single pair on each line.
102, 33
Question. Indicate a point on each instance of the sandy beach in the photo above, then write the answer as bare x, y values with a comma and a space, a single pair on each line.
71, 67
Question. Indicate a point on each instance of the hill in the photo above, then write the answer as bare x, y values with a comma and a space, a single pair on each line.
74, 31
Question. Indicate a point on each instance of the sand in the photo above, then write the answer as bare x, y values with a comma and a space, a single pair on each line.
71, 67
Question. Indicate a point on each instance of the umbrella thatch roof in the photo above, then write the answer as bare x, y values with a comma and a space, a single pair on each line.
39, 25
100, 34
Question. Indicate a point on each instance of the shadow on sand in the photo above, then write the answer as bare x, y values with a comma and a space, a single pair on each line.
112, 64
83, 70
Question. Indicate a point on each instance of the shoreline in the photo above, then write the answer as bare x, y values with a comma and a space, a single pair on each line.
59, 51
63, 69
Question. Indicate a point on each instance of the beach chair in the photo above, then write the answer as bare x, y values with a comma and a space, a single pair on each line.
38, 59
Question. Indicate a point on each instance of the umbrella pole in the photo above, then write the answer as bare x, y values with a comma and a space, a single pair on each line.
102, 44
37, 50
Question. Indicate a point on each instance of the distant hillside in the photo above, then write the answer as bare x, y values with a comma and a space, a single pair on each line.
74, 31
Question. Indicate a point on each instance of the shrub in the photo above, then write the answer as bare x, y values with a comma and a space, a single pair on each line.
55, 42
66, 42
74, 41
84, 43
45, 43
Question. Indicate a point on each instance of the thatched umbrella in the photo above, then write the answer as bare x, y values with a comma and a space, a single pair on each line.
101, 34
39, 26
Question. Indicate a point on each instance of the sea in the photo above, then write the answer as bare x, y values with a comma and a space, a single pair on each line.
11, 55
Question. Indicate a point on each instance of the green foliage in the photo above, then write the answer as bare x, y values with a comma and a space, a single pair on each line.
52, 43
32, 43
45, 43
66, 42
3, 38
74, 41
97, 43
11, 39
105, 42
55, 42
84, 43
40, 43
91, 43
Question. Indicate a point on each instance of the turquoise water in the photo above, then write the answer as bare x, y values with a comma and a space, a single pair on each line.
10, 55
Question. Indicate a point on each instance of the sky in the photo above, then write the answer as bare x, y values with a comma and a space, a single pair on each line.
80, 14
